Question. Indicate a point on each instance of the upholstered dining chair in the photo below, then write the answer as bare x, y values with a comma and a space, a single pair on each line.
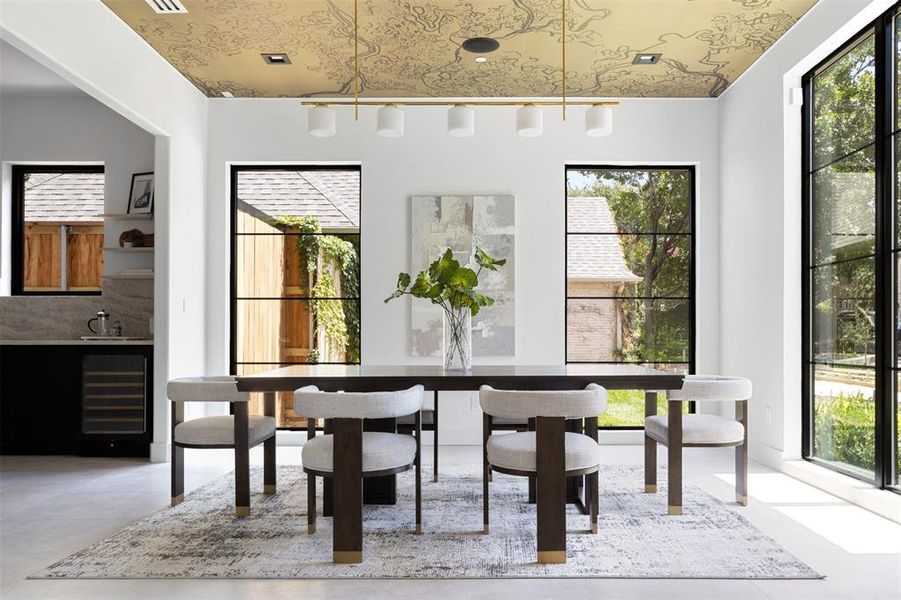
239, 431
676, 431
351, 454
550, 454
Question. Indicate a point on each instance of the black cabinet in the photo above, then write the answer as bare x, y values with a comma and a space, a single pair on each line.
77, 399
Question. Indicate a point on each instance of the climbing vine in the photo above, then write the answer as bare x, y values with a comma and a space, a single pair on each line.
341, 327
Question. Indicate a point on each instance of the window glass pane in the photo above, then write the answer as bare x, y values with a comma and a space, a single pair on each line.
606, 330
845, 417
843, 313
625, 408
628, 265
63, 231
844, 104
844, 208
631, 201
285, 416
281, 331
275, 266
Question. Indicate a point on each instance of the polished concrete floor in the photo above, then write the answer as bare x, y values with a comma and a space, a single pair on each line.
51, 507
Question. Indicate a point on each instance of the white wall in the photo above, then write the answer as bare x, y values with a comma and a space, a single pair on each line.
760, 215
426, 160
89, 46
72, 129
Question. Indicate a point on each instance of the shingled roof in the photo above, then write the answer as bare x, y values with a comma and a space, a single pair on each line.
332, 196
64, 198
594, 257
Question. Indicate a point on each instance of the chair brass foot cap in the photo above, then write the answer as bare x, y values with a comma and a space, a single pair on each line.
594, 528
675, 511
347, 557
242, 511
650, 489
743, 500
551, 557
418, 528
269, 488
176, 500
486, 529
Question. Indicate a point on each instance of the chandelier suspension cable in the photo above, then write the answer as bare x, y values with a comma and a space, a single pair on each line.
564, 60
356, 62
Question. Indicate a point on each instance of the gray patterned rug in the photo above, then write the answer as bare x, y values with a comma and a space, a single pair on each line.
201, 538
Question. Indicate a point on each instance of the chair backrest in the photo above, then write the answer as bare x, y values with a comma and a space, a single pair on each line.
310, 402
571, 404
722, 388
214, 388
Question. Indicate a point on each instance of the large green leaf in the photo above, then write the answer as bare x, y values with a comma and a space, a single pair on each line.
422, 285
444, 268
464, 278
487, 262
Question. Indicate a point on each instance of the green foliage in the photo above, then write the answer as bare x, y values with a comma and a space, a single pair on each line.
329, 314
449, 285
345, 254
625, 408
844, 430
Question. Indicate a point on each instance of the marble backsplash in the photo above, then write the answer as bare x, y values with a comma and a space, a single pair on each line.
129, 301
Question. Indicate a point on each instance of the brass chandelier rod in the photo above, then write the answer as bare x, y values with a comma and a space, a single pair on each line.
563, 103
356, 63
356, 102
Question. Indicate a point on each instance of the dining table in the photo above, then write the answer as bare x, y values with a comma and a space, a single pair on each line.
379, 378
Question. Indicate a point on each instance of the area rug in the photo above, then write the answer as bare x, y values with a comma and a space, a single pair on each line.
201, 538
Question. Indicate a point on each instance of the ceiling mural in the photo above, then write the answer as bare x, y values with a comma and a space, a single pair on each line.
411, 48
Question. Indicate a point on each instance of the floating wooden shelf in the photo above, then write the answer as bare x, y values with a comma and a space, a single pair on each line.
118, 249
128, 217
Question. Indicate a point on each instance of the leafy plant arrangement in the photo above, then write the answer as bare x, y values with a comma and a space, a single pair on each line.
452, 287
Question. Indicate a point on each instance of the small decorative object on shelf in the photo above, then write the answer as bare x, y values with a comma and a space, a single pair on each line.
140, 197
452, 287
135, 238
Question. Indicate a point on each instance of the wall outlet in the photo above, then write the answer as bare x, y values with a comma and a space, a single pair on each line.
768, 413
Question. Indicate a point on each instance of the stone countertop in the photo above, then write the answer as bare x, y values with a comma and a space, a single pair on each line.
126, 342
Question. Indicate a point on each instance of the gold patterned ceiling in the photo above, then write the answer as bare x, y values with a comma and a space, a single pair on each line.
411, 48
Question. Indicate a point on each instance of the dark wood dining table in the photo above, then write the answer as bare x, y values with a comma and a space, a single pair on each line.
375, 378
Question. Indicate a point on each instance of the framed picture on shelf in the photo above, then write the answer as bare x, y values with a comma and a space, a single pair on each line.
140, 197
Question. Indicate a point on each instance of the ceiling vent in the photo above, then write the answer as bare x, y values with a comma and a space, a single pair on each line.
646, 58
167, 7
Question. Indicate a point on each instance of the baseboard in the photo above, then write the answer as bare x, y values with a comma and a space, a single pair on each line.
159, 452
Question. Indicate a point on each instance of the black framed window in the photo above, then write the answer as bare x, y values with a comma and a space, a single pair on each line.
57, 230
295, 270
850, 252
630, 273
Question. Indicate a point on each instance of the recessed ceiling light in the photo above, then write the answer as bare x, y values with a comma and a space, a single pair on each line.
481, 59
481, 45
276, 58
227, 94
646, 58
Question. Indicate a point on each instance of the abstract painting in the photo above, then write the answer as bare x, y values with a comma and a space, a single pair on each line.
462, 223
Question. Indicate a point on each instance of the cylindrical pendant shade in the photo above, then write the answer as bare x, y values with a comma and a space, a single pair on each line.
598, 121
321, 121
460, 121
529, 121
390, 121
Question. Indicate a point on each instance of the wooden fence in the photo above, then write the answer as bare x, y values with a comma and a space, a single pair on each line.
84, 257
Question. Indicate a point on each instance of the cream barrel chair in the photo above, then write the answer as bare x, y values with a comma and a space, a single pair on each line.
677, 431
550, 454
351, 454
239, 431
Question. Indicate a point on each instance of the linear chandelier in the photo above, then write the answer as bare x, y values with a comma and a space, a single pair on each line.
460, 116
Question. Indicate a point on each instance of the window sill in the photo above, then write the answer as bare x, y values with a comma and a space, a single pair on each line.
881, 502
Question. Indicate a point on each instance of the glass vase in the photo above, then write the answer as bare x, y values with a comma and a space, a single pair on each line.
458, 340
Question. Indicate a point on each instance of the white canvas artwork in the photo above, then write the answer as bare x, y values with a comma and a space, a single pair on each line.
462, 223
